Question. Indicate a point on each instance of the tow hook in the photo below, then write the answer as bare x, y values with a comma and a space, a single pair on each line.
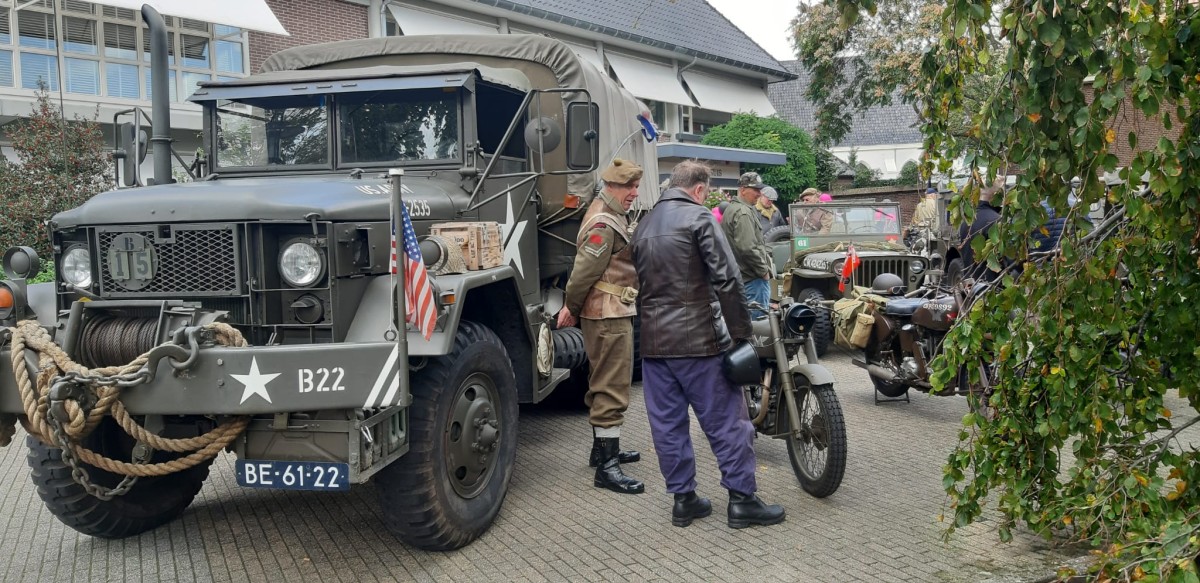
64, 389
181, 354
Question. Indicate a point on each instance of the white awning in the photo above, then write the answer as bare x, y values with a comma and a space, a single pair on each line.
648, 80
418, 22
251, 14
728, 94
589, 54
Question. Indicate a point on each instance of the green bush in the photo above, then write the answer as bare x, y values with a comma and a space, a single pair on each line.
772, 134
60, 165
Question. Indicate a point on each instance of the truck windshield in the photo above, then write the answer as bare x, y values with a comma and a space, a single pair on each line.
289, 130
398, 125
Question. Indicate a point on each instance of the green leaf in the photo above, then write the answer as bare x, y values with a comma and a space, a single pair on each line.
1048, 32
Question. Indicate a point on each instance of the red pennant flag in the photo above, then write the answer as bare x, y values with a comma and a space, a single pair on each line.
851, 263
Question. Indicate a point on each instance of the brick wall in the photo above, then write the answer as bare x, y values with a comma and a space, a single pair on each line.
1130, 119
907, 196
309, 22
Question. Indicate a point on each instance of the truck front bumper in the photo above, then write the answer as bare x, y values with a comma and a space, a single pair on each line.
258, 380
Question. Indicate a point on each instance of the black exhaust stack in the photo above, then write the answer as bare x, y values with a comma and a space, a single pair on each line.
160, 103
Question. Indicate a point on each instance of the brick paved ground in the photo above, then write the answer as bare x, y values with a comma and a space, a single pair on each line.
880, 526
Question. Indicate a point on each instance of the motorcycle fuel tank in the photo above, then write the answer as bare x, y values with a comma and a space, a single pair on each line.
937, 314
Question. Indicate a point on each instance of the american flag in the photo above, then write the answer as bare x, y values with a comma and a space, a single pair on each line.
418, 293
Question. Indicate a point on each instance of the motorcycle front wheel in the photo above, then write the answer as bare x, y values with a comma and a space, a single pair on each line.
818, 449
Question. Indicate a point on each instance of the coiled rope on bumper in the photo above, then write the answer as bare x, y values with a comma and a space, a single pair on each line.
53, 362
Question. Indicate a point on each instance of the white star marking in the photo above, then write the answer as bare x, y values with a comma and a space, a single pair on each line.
256, 382
512, 250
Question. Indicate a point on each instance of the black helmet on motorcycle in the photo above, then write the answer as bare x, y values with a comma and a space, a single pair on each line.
885, 282
740, 364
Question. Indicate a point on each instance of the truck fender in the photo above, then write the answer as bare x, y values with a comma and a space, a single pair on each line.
815, 373
41, 299
370, 322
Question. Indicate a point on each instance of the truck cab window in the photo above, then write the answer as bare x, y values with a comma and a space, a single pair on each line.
496, 107
392, 126
290, 130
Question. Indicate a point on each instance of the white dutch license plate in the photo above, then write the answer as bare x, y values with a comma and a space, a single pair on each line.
293, 475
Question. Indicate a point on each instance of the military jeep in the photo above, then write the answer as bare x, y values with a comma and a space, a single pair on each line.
811, 262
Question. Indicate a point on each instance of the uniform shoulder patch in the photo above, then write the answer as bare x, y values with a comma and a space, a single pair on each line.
595, 239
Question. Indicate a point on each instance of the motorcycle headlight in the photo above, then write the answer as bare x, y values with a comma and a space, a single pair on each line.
77, 267
301, 264
799, 319
916, 266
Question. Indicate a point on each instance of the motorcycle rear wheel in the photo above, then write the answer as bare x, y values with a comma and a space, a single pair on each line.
818, 450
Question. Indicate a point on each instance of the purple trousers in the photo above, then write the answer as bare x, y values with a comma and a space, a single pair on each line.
670, 385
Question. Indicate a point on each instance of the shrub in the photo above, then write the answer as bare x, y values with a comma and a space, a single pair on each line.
60, 165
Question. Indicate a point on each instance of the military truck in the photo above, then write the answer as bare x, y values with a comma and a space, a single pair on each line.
286, 236
810, 265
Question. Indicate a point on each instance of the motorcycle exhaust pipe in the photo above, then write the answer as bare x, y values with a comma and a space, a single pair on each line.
766, 398
883, 373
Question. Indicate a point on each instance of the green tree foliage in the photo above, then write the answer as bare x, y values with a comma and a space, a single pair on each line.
910, 173
1090, 343
60, 165
772, 134
857, 63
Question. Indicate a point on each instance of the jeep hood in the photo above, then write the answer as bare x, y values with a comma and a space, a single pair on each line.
333, 198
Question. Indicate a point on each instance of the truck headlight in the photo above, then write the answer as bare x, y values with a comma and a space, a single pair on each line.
300, 264
77, 267
916, 266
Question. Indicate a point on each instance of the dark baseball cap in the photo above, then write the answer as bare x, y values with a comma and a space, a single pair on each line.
751, 180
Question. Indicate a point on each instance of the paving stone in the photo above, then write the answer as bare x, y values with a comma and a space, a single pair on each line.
881, 525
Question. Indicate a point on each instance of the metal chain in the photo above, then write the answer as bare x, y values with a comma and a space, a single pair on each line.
80, 474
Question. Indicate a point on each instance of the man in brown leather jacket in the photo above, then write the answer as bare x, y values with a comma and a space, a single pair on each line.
692, 308
602, 291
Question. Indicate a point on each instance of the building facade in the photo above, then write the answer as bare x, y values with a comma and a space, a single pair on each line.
691, 66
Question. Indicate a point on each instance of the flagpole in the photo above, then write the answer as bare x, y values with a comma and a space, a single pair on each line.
399, 318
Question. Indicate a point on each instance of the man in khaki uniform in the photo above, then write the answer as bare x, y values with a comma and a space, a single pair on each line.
602, 291
925, 215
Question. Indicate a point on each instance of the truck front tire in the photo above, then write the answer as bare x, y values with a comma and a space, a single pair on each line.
446, 491
151, 503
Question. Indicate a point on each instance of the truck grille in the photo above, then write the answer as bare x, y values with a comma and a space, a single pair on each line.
195, 260
872, 268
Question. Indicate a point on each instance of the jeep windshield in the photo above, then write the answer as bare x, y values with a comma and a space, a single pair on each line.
846, 221
374, 128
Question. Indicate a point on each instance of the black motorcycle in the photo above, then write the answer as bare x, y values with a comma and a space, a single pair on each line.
795, 401
906, 333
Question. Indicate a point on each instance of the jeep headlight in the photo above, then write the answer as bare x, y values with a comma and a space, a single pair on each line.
836, 266
77, 267
301, 264
916, 266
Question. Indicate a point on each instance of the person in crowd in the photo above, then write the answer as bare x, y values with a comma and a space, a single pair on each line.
719, 211
602, 291
769, 216
814, 221
745, 236
986, 215
692, 310
926, 215
826, 197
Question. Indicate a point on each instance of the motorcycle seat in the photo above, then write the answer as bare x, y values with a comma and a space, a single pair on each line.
903, 306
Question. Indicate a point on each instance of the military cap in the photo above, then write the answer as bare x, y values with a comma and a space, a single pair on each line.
808, 191
621, 172
751, 180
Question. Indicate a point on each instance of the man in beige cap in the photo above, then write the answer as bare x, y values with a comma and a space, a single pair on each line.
601, 291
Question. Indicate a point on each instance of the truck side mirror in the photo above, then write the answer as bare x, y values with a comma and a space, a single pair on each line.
583, 139
135, 153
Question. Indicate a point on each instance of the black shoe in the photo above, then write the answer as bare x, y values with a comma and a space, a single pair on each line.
689, 506
625, 457
747, 510
609, 474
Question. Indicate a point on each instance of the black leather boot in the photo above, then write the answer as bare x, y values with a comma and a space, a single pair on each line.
625, 457
689, 506
608, 472
747, 510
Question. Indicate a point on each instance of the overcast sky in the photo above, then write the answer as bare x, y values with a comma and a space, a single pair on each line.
765, 21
